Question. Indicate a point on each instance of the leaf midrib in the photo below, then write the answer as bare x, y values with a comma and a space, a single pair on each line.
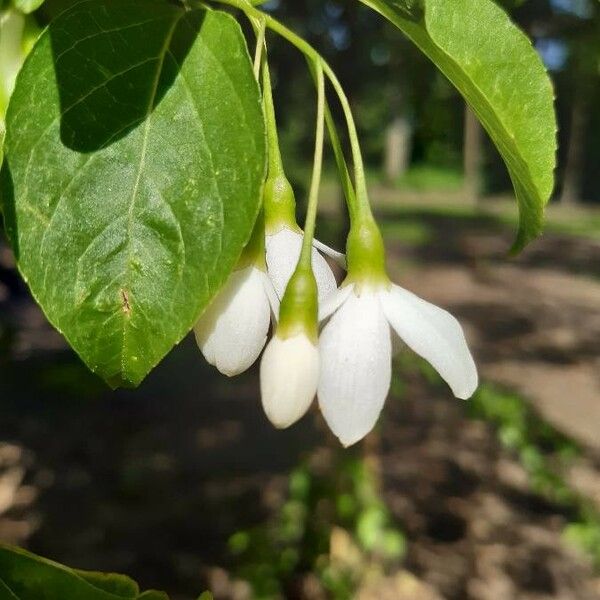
127, 308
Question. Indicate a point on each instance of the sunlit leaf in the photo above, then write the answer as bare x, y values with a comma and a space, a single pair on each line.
494, 66
132, 175
27, 6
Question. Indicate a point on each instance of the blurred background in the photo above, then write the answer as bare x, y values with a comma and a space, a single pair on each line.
185, 486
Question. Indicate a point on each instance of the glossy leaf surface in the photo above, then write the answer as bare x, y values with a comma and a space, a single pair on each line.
134, 163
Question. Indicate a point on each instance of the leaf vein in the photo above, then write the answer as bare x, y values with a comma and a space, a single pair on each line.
188, 89
144, 150
104, 32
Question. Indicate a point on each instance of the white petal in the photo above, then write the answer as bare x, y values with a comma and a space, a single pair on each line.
271, 296
289, 373
233, 331
283, 252
338, 257
435, 335
334, 301
356, 355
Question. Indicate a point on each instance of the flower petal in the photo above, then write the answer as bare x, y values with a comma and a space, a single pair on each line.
338, 257
283, 252
435, 335
334, 301
271, 296
356, 355
233, 331
289, 373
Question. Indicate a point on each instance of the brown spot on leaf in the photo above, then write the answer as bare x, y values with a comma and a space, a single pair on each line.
126, 305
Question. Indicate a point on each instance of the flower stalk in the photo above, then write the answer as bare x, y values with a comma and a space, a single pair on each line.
299, 308
366, 256
284, 237
349, 366
315, 184
291, 364
279, 199
361, 198
259, 30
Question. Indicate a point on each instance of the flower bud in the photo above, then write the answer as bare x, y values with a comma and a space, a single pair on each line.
289, 375
289, 371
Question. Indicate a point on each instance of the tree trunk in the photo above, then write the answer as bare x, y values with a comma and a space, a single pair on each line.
397, 150
472, 154
575, 151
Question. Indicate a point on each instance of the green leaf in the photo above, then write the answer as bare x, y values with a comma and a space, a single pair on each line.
494, 66
27, 6
24, 576
134, 161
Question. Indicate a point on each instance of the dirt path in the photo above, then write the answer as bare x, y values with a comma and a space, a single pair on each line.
534, 321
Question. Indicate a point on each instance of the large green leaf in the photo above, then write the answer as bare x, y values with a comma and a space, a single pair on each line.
24, 576
132, 177
493, 65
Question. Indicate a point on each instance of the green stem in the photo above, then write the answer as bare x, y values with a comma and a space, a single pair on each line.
279, 199
340, 160
275, 160
362, 208
298, 313
365, 248
313, 196
259, 29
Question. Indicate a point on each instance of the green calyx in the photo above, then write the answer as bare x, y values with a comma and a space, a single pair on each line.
298, 313
279, 204
366, 254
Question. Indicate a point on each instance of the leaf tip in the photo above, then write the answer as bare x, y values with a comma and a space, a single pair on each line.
527, 233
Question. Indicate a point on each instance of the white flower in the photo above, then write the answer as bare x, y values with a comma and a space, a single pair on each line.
283, 252
289, 373
356, 352
233, 331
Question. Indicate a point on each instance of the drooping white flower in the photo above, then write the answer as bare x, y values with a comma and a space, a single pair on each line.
289, 374
356, 352
233, 331
283, 251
